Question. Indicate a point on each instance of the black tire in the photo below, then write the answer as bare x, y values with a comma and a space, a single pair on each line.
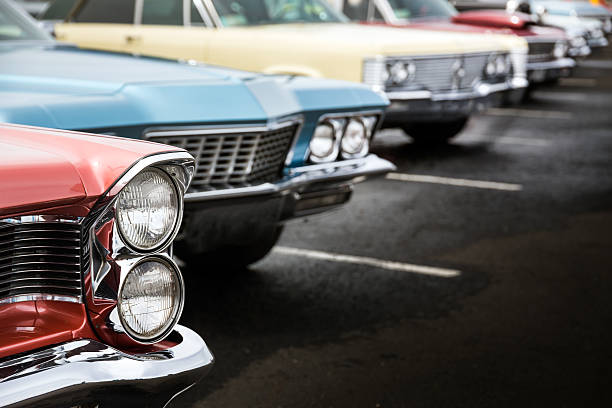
229, 257
435, 133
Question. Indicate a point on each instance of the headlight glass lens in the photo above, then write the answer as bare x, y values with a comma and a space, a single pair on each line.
150, 300
355, 137
148, 209
501, 65
323, 142
490, 68
400, 71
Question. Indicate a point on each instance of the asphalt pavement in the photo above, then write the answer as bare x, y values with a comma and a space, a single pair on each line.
478, 275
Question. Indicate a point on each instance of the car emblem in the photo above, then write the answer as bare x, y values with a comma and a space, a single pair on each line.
458, 73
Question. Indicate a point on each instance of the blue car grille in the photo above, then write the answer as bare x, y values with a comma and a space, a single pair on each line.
232, 158
40, 259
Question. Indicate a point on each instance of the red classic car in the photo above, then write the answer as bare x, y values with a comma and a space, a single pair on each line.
549, 48
89, 293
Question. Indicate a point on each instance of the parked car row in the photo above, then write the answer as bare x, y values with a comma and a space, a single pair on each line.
260, 111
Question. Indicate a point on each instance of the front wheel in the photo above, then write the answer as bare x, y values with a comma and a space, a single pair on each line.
229, 257
435, 133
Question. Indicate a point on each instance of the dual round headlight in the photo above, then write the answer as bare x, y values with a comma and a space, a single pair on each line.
497, 66
399, 72
148, 210
151, 299
347, 137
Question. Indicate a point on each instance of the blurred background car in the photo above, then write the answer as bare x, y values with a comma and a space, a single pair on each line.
267, 148
548, 47
90, 296
434, 80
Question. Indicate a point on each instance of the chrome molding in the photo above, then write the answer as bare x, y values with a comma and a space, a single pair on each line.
73, 370
40, 296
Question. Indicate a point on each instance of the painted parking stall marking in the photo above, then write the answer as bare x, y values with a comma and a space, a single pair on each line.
459, 182
362, 260
581, 82
523, 141
529, 113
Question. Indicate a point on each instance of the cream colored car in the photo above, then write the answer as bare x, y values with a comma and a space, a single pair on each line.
434, 79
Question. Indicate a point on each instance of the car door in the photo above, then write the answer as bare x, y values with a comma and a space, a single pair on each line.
101, 24
170, 28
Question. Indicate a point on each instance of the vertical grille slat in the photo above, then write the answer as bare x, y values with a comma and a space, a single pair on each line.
233, 159
40, 258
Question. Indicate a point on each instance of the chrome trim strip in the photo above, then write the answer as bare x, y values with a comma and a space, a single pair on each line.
81, 366
203, 13
138, 7
346, 170
40, 296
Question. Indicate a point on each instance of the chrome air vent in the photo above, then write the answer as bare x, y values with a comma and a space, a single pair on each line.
232, 157
40, 259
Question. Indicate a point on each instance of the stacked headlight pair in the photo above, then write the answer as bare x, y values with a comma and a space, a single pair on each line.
148, 214
498, 65
345, 137
399, 72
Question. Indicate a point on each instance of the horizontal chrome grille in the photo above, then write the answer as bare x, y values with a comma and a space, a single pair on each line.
541, 51
436, 74
232, 158
40, 258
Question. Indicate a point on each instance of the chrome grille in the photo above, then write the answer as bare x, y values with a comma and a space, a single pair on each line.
436, 73
541, 51
40, 258
233, 158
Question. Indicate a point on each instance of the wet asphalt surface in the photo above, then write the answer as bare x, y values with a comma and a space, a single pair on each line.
527, 322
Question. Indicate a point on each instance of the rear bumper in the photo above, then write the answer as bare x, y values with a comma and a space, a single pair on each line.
549, 70
425, 106
89, 372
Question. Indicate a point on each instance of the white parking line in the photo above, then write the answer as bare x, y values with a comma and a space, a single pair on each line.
523, 141
528, 113
421, 178
584, 82
362, 260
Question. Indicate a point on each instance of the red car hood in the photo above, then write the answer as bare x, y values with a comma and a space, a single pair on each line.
494, 18
489, 21
47, 169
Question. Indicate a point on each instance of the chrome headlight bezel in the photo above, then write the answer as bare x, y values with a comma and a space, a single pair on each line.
171, 232
168, 326
340, 123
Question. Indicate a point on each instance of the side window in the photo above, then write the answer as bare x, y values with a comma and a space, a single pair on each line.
57, 10
377, 15
356, 10
196, 18
106, 11
163, 12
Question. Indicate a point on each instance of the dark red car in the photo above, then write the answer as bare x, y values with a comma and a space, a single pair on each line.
89, 293
549, 48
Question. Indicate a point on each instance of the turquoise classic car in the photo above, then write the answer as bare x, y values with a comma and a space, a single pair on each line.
267, 148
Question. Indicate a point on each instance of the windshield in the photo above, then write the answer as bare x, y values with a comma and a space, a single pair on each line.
413, 9
16, 26
257, 12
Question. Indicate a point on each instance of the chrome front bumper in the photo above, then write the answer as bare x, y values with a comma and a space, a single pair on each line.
303, 178
426, 106
242, 217
549, 70
598, 42
89, 372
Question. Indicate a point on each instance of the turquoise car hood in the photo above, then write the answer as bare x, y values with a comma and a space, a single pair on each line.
65, 87
60, 86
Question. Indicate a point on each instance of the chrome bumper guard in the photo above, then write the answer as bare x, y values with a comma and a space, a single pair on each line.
87, 371
301, 178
